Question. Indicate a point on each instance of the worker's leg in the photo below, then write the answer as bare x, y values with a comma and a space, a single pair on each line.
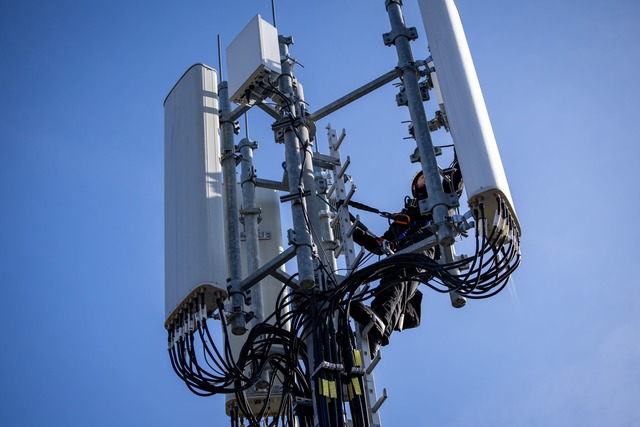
388, 306
390, 303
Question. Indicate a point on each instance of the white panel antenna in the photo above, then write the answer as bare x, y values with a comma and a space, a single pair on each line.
252, 57
195, 259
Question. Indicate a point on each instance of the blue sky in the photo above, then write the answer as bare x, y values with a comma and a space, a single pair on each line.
81, 183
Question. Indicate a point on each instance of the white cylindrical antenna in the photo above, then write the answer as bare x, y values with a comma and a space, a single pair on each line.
471, 130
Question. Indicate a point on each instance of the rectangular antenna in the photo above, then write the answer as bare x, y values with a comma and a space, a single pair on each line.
252, 57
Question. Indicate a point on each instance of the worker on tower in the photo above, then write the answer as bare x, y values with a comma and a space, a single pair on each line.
397, 300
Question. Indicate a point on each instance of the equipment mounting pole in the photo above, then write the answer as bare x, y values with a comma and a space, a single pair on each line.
299, 165
228, 160
400, 37
438, 201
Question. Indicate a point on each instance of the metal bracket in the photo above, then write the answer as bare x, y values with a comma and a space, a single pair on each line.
330, 245
401, 98
236, 125
440, 120
415, 157
248, 315
427, 205
267, 269
288, 40
280, 126
262, 235
321, 184
390, 38
463, 223
291, 237
226, 155
325, 162
294, 196
244, 142
424, 90
254, 211
236, 309
380, 401
424, 70
251, 172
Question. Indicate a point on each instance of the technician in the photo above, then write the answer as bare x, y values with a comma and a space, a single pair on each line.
397, 300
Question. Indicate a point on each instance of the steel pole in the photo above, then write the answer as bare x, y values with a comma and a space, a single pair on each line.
296, 174
299, 167
438, 200
251, 212
234, 265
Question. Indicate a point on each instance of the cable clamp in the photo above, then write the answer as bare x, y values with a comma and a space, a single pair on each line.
324, 365
409, 32
253, 211
228, 155
251, 175
231, 293
462, 223
450, 200
245, 142
358, 371
293, 241
279, 127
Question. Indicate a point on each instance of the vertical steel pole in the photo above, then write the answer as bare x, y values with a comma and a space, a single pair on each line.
297, 172
228, 160
327, 239
310, 181
299, 168
409, 75
438, 200
251, 213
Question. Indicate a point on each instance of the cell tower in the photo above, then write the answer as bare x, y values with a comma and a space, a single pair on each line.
300, 349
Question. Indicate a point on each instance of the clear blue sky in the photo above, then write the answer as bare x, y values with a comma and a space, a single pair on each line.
81, 184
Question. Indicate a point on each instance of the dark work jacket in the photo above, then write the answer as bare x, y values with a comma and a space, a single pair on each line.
416, 228
405, 233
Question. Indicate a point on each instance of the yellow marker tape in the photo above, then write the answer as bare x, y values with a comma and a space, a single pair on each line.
332, 390
325, 388
357, 357
356, 386
350, 390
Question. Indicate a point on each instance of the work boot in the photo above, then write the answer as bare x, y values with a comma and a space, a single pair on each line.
367, 318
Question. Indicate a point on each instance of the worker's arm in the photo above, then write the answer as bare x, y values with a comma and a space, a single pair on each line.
366, 239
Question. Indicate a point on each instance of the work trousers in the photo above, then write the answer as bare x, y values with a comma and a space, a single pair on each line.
397, 302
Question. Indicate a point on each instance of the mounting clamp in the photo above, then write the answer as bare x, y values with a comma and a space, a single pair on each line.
409, 32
